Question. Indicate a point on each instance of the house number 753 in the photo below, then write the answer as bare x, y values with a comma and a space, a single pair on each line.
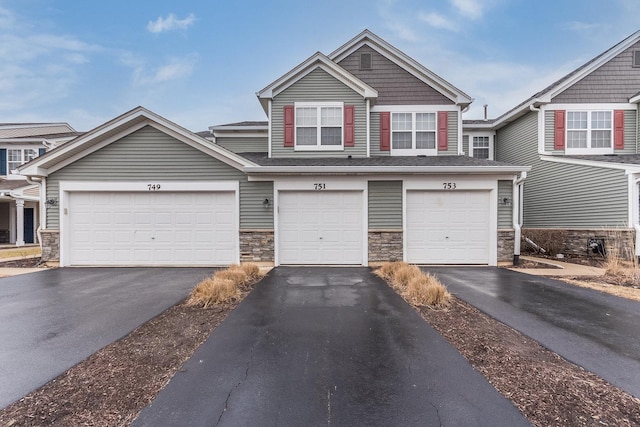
449, 185
153, 187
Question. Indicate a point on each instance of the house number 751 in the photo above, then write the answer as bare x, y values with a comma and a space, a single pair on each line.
319, 186
153, 187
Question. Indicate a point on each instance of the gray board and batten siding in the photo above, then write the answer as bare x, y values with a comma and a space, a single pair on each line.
630, 127
149, 154
558, 195
318, 86
613, 82
452, 135
385, 205
395, 85
242, 144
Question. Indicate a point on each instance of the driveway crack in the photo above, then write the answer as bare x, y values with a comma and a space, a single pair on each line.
246, 375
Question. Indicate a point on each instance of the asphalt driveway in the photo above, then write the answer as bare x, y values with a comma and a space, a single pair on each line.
53, 319
327, 346
597, 331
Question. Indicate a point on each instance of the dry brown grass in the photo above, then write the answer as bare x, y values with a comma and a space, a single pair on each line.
224, 286
620, 260
416, 287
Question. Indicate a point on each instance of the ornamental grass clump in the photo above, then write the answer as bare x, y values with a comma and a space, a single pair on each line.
224, 286
416, 287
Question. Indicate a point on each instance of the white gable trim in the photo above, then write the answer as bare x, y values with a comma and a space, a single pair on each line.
120, 127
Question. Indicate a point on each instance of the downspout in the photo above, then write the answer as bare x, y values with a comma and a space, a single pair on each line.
517, 215
636, 220
42, 208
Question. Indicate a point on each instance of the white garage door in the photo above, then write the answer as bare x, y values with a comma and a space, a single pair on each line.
151, 229
322, 227
448, 227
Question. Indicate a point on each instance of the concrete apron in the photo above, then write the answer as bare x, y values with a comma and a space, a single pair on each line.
327, 346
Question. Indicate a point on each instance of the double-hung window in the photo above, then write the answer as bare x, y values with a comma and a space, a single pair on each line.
589, 132
16, 157
319, 126
482, 146
413, 133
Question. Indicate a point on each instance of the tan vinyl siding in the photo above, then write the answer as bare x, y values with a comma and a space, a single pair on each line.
560, 195
318, 86
395, 85
385, 205
630, 127
505, 210
149, 154
244, 144
614, 81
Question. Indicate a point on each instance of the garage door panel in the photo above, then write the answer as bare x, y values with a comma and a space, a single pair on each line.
152, 228
320, 227
448, 227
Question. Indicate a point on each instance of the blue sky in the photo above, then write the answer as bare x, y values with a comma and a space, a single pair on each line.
200, 63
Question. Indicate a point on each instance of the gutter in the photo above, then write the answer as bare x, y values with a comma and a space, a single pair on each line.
518, 195
356, 170
41, 182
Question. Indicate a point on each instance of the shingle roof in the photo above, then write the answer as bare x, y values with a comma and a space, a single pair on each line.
50, 135
379, 161
12, 184
247, 123
628, 159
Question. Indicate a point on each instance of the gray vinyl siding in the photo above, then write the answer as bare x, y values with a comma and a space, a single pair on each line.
559, 195
452, 136
465, 145
615, 81
244, 144
149, 155
395, 85
318, 86
505, 210
630, 129
385, 205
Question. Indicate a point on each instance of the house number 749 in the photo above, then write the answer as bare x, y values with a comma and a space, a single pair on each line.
449, 185
153, 187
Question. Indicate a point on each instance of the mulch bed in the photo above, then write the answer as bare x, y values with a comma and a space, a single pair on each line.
22, 263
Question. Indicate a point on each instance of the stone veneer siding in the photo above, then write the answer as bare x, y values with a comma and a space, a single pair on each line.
256, 246
621, 240
385, 245
50, 245
505, 245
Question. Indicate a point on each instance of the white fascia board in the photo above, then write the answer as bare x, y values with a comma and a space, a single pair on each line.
225, 128
398, 170
635, 99
521, 111
594, 163
240, 134
143, 186
590, 106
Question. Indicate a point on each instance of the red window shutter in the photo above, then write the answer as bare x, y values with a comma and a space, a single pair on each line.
618, 129
289, 127
443, 130
385, 131
349, 125
560, 126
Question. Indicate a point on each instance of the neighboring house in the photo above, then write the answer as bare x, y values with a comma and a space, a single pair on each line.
19, 199
581, 137
360, 160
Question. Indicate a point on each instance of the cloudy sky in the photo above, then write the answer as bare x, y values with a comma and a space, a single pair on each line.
200, 63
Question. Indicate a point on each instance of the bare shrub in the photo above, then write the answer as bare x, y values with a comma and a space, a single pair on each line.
403, 275
388, 269
620, 260
551, 240
213, 290
252, 271
236, 275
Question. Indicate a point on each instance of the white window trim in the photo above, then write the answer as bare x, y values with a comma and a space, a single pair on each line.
589, 129
414, 151
319, 146
491, 139
10, 174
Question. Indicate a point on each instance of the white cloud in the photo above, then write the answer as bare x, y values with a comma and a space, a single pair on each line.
581, 26
471, 9
437, 21
171, 22
174, 68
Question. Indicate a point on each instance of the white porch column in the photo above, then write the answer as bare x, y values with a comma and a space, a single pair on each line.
19, 222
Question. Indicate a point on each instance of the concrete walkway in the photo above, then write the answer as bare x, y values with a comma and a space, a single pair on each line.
597, 331
561, 268
327, 347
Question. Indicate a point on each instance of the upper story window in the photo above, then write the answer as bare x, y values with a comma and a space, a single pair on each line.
16, 157
413, 133
319, 126
589, 132
481, 147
